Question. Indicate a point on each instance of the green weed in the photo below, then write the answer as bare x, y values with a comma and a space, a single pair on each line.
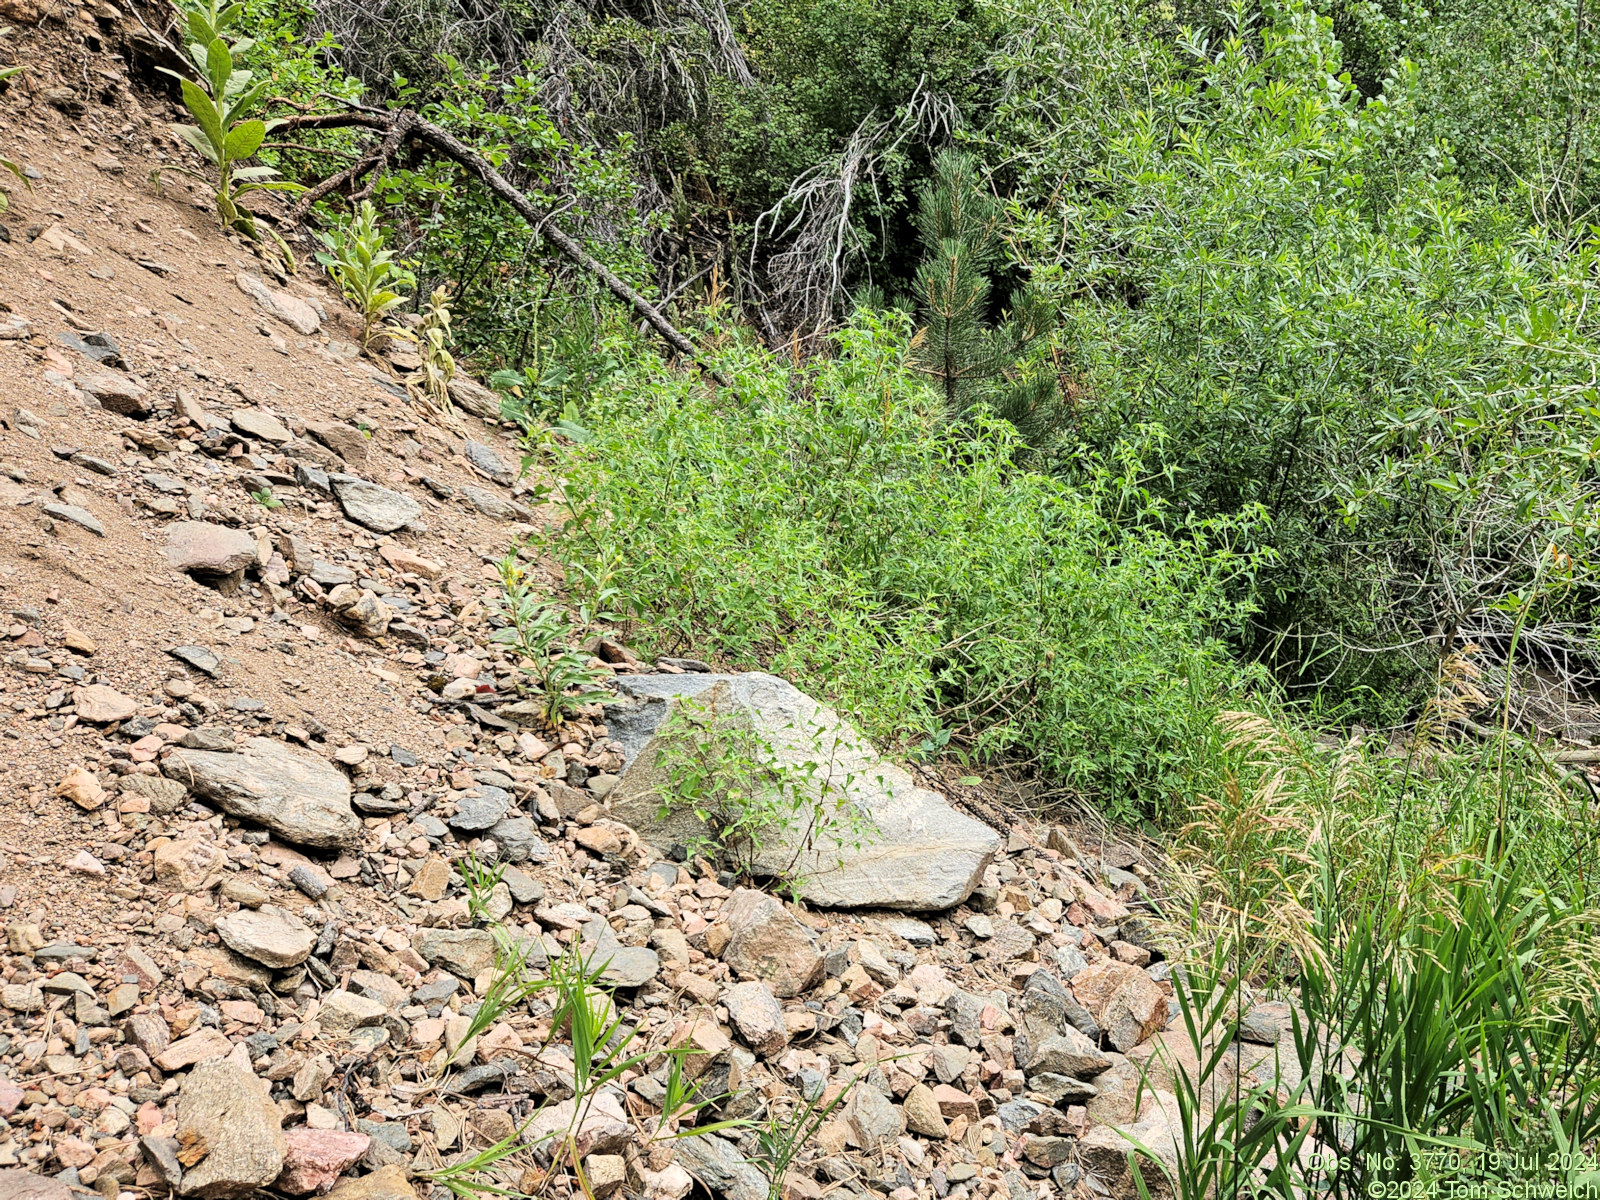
538, 634
224, 132
750, 802
367, 273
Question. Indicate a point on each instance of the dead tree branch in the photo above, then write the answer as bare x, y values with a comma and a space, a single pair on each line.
817, 214
406, 125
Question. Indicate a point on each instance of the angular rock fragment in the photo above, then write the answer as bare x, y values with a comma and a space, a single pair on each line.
768, 942
491, 505
267, 935
1123, 1000
101, 704
222, 1107
378, 508
464, 952
198, 657
211, 553
625, 966
75, 515
315, 1158
114, 390
757, 1015
291, 310
296, 794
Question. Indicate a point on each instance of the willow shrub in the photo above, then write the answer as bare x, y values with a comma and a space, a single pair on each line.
825, 522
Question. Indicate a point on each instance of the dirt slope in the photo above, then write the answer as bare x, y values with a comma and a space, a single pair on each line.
184, 327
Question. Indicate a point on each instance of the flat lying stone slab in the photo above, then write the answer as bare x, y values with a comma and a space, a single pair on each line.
296, 794
915, 852
115, 391
269, 935
205, 548
378, 508
80, 517
252, 422
291, 310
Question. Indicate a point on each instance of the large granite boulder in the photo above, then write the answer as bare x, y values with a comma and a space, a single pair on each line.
298, 795
905, 848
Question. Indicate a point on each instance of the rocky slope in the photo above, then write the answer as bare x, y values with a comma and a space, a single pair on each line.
252, 753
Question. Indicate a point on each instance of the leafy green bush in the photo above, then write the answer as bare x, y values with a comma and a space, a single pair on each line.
508, 289
826, 522
1324, 323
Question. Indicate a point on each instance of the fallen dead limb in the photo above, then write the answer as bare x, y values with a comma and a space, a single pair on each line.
398, 128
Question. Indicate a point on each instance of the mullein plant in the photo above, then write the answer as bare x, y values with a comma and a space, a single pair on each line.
224, 132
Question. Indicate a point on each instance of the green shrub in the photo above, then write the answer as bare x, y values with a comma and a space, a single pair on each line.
1325, 322
825, 522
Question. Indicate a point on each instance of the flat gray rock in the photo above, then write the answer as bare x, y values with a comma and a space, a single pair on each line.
115, 391
717, 1163
524, 888
904, 847
465, 952
483, 459
480, 808
291, 310
330, 574
298, 795
491, 505
377, 508
198, 657
910, 930
625, 966
471, 395
74, 515
519, 841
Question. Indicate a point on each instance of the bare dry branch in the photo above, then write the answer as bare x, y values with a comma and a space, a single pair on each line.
816, 215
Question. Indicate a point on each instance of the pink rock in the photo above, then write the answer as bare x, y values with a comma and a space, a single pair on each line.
315, 1158
95, 1098
147, 1118
72, 1152
10, 1098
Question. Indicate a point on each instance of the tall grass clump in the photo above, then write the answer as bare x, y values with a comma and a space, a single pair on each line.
1432, 920
825, 521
